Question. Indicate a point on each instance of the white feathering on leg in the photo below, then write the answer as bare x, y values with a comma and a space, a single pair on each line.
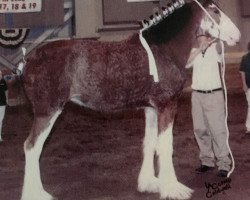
147, 182
169, 187
33, 188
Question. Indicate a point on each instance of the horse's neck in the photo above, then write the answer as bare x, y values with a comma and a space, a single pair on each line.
176, 51
178, 48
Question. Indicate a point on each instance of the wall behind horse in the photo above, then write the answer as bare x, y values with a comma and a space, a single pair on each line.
245, 22
88, 17
95, 19
89, 22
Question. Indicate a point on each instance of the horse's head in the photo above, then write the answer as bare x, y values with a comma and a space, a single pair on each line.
216, 24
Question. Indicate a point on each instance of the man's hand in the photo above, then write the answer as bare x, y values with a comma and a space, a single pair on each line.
204, 45
245, 88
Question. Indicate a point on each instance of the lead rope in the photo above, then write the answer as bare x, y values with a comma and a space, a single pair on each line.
226, 107
224, 86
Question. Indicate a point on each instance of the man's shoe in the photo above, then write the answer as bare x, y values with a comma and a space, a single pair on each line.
203, 169
222, 173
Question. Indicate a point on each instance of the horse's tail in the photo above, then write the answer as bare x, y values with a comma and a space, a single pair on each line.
21, 65
15, 79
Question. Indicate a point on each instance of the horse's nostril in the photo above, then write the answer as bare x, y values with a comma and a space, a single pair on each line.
236, 39
232, 38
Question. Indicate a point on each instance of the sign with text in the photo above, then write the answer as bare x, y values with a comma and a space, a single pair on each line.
51, 14
20, 6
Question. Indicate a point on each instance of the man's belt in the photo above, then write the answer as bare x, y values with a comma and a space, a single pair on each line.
208, 91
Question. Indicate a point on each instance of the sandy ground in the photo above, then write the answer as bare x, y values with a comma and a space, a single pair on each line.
95, 156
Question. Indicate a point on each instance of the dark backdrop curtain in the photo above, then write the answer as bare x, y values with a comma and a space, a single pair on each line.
245, 8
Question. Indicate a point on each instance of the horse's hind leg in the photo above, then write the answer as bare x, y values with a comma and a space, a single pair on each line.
169, 187
32, 187
147, 182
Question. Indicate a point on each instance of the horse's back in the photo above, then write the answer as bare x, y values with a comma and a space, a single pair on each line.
98, 71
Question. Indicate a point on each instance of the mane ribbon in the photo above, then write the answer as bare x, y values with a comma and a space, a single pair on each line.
224, 85
152, 65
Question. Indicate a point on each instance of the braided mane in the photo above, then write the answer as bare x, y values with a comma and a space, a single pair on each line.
168, 27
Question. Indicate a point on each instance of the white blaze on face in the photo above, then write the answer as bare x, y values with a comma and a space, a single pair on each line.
208, 27
228, 31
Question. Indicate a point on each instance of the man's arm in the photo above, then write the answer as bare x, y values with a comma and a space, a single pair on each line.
7, 97
243, 78
193, 54
5, 87
195, 51
243, 74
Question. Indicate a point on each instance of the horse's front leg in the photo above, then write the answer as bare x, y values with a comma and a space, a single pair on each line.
169, 187
32, 187
147, 182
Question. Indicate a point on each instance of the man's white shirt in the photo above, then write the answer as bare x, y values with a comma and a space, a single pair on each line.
206, 72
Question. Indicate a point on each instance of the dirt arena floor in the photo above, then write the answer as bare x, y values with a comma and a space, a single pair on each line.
94, 156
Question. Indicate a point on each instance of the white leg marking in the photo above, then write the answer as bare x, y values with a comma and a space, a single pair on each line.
169, 186
33, 188
147, 182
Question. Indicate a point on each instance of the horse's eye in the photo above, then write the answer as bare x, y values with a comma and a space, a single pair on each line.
216, 11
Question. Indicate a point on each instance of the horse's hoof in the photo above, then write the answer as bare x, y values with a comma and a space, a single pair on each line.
175, 190
148, 184
41, 195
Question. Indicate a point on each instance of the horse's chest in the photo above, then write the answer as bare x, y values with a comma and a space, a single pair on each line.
132, 91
